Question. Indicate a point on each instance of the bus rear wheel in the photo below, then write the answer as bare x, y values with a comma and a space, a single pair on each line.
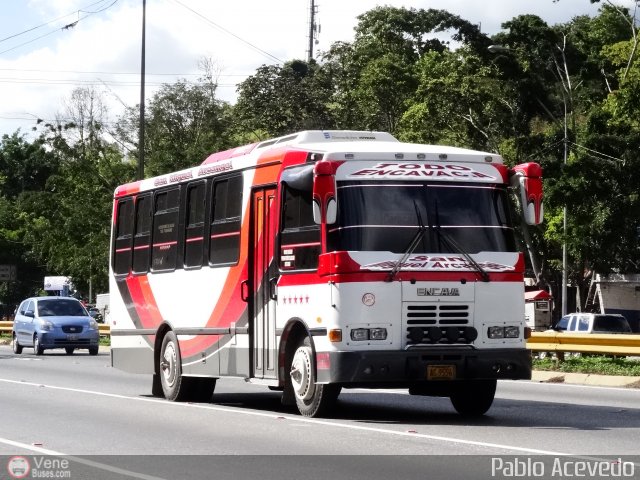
312, 399
473, 398
175, 387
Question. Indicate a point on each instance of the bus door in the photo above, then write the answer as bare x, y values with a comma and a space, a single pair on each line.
262, 301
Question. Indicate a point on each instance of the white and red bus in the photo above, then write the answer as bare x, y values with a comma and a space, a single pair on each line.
325, 260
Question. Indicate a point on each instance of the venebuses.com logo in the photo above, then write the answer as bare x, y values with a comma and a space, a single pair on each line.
18, 467
38, 467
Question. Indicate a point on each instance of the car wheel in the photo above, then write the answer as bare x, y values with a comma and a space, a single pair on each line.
473, 398
312, 399
174, 386
37, 348
69, 350
15, 345
93, 350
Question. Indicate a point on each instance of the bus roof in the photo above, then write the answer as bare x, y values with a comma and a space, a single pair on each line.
334, 144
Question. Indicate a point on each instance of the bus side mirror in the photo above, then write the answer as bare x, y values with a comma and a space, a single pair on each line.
325, 205
527, 180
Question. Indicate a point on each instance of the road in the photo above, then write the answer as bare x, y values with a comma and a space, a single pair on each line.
78, 405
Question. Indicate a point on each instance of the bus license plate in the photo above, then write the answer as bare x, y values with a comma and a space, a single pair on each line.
441, 372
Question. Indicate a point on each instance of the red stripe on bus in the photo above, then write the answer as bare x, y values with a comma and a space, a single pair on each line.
144, 301
296, 245
165, 244
140, 247
230, 234
195, 239
312, 278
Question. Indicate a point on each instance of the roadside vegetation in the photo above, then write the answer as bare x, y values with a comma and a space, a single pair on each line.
593, 364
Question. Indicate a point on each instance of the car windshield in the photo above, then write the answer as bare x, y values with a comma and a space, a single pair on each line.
384, 216
563, 324
611, 323
60, 308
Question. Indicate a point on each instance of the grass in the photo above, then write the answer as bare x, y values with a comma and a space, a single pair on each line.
593, 364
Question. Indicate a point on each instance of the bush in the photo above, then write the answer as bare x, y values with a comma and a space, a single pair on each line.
594, 364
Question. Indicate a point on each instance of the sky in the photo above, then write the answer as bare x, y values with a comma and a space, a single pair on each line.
50, 47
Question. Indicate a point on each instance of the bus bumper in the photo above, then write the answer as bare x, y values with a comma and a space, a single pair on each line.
408, 368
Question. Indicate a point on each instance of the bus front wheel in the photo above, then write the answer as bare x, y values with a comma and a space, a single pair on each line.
312, 399
473, 398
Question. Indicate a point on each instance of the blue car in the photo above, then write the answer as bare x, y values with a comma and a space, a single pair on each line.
54, 322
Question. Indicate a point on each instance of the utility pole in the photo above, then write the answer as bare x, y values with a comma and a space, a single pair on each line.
313, 29
142, 74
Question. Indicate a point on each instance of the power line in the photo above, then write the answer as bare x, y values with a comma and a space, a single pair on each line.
215, 25
66, 27
47, 23
101, 72
63, 81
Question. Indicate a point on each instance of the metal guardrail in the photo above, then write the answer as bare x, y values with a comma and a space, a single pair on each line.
6, 327
604, 344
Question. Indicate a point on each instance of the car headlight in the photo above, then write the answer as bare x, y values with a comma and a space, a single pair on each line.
93, 325
46, 326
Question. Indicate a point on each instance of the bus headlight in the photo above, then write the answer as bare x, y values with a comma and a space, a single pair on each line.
495, 332
511, 331
363, 334
359, 334
378, 333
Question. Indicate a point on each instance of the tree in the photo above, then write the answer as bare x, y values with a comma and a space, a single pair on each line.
184, 123
278, 100
67, 223
24, 170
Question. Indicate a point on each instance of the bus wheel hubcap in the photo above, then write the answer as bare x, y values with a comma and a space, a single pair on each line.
301, 377
168, 364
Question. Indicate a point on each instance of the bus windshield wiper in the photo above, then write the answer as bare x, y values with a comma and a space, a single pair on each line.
417, 238
453, 245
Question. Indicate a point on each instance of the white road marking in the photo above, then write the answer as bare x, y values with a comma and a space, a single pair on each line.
328, 423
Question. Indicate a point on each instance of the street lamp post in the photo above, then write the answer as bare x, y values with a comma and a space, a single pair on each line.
140, 174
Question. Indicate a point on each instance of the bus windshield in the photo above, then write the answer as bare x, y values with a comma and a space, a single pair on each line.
384, 216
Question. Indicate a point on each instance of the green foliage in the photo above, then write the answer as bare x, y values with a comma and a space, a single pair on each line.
281, 100
593, 364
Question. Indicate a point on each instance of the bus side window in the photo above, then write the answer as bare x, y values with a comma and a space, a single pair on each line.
226, 218
123, 236
142, 236
194, 225
165, 230
300, 235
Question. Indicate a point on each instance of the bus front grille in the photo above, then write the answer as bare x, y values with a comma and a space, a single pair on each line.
438, 323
